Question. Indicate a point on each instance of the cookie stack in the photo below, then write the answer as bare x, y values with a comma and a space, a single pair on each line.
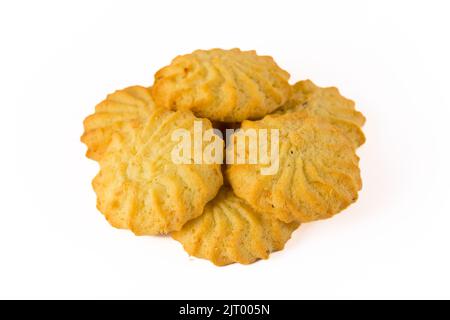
231, 212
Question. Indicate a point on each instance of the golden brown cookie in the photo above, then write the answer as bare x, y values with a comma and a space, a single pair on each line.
231, 231
120, 113
222, 85
139, 187
318, 173
328, 104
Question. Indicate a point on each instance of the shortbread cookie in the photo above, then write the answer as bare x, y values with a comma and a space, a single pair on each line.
120, 113
139, 187
329, 104
231, 231
318, 173
222, 85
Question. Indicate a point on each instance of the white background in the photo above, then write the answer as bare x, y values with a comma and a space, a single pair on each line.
59, 58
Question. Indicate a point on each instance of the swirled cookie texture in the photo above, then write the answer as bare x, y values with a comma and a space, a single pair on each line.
318, 173
230, 231
222, 85
303, 167
119, 114
140, 188
329, 104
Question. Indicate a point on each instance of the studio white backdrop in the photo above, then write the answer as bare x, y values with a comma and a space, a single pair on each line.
59, 58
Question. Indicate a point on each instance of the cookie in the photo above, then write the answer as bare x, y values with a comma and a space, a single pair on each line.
120, 113
329, 104
222, 85
231, 231
318, 173
139, 187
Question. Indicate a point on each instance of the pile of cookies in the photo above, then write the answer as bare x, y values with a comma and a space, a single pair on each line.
225, 213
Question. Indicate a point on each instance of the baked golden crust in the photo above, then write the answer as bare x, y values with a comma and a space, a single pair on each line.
222, 85
318, 172
329, 104
120, 113
231, 231
236, 213
140, 188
